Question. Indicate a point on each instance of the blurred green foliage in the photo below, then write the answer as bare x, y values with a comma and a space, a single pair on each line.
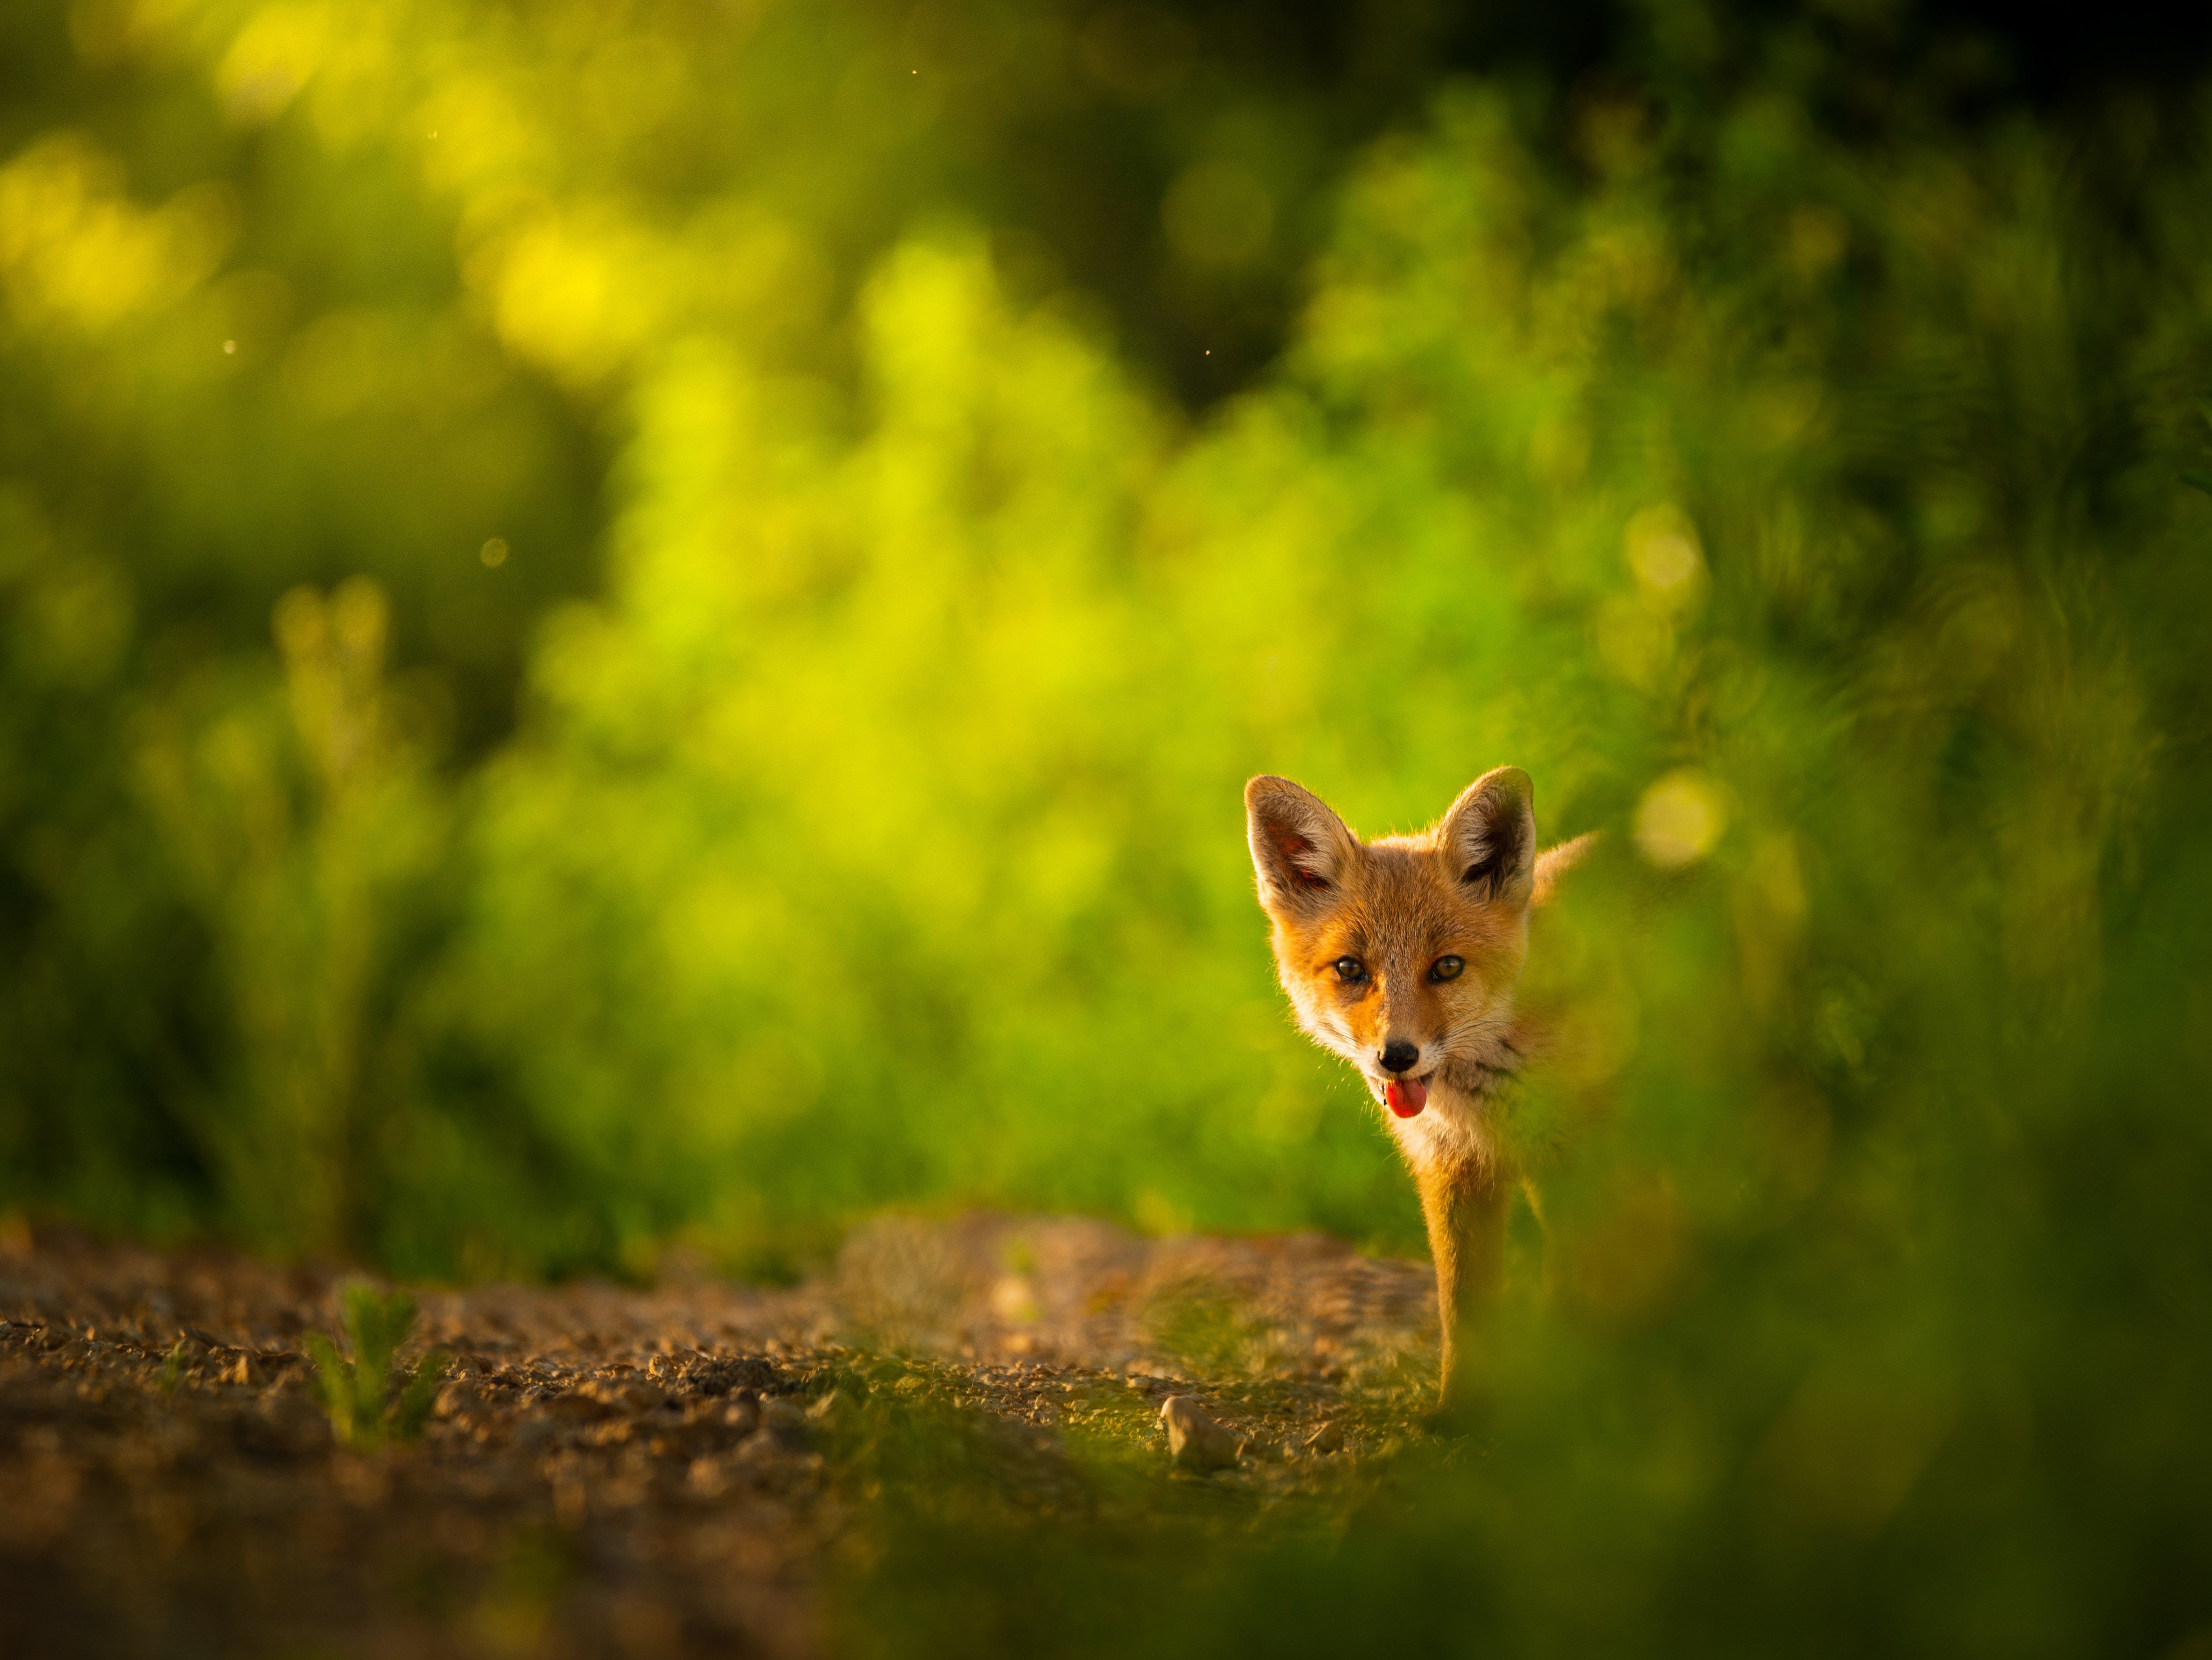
633, 624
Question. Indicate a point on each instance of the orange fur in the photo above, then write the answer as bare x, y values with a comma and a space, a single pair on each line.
1402, 955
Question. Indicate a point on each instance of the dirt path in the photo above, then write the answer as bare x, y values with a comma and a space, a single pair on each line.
667, 1472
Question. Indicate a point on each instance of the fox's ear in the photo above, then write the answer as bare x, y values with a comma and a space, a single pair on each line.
1301, 850
1489, 836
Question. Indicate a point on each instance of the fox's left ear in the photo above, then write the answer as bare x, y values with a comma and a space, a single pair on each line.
1489, 836
1301, 851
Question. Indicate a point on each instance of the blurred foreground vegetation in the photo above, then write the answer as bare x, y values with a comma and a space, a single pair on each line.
631, 625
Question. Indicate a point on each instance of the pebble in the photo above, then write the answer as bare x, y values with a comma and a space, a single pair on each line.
1196, 1440
1329, 1437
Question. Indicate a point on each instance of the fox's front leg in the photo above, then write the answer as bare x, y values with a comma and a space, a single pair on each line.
1465, 1206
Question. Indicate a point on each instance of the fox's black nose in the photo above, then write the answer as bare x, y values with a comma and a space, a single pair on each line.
1396, 1057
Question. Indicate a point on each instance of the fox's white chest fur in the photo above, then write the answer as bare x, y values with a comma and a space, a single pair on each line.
1450, 1130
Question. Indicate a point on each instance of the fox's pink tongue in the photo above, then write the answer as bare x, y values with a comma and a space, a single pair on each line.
1406, 1096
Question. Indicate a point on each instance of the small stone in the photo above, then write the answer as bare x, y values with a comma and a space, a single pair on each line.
1329, 1437
1196, 1440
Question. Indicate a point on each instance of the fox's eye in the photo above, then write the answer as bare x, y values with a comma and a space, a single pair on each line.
1446, 967
1350, 970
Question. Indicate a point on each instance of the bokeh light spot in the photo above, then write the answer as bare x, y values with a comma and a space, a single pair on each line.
1679, 820
1663, 553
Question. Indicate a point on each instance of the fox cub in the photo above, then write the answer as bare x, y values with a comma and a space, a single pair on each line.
1402, 955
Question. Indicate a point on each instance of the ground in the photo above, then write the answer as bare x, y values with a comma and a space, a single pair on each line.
685, 1469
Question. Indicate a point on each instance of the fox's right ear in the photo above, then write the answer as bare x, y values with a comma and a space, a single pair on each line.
1301, 850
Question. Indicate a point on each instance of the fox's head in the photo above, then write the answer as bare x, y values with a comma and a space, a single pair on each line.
1401, 954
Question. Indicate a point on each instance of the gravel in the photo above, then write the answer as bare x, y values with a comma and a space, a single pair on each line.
670, 1470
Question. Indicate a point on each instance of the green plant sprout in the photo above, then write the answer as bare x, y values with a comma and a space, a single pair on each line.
369, 1399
